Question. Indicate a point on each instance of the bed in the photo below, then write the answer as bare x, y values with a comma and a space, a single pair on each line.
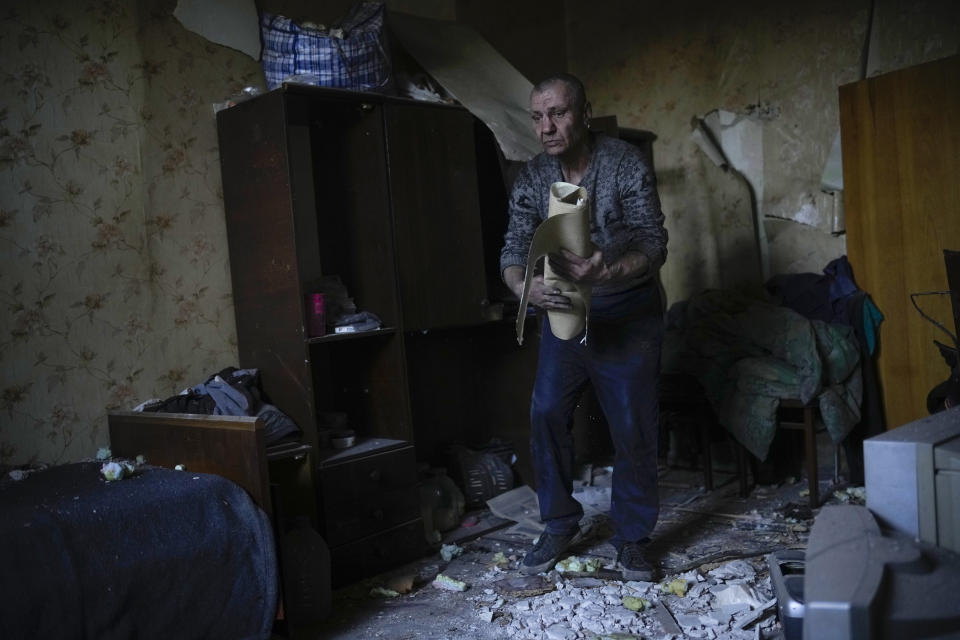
160, 554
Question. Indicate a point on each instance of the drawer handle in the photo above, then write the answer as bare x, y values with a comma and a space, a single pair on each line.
375, 475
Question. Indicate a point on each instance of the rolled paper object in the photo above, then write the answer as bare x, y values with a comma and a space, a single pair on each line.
567, 226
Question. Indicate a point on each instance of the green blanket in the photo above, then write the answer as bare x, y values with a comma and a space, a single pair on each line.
748, 355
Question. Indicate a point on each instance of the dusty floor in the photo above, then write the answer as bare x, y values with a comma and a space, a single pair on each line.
715, 543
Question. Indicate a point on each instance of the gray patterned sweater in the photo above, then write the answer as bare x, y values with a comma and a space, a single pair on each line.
625, 207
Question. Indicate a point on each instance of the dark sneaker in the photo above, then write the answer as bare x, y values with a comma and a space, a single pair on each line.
545, 553
632, 559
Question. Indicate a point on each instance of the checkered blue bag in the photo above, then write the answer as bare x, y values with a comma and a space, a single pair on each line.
352, 55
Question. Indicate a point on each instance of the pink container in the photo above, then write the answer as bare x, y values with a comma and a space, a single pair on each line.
316, 321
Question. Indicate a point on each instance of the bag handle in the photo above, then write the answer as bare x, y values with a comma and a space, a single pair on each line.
359, 16
350, 72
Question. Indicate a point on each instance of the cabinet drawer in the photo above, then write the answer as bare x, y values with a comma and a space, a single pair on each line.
370, 494
374, 554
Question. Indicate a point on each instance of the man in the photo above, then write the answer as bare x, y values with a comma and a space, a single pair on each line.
621, 358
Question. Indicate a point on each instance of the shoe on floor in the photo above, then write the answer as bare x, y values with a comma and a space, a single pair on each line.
632, 558
546, 551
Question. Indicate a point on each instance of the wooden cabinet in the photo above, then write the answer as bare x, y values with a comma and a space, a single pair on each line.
901, 159
382, 482
433, 186
370, 500
382, 192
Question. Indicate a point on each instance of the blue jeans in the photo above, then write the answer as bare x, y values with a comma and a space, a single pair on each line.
621, 359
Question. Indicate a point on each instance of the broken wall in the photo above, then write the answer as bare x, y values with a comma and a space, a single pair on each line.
778, 65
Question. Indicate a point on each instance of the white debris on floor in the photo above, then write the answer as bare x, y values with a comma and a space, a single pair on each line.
711, 548
714, 606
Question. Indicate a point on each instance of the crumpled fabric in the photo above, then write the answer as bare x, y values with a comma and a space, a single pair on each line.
229, 392
749, 354
361, 321
230, 398
827, 297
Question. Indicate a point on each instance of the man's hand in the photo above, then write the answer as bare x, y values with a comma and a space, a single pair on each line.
571, 267
594, 270
546, 297
540, 295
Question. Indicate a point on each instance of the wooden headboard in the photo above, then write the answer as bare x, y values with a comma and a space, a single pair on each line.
229, 446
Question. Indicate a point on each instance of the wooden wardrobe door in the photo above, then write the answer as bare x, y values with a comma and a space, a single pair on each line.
901, 169
436, 216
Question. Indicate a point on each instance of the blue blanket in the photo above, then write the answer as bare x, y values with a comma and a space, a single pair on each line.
163, 554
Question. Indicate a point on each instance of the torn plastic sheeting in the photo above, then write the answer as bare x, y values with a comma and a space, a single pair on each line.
736, 142
232, 23
474, 73
521, 505
734, 569
740, 139
595, 500
737, 594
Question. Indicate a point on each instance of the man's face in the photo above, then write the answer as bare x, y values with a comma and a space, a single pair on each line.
559, 125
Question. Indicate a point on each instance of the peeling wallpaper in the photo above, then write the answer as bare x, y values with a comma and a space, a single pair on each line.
114, 277
661, 64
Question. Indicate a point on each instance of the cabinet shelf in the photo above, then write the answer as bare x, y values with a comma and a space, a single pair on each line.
337, 337
385, 193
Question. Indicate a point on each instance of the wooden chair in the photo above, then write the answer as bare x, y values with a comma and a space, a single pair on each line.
682, 393
808, 425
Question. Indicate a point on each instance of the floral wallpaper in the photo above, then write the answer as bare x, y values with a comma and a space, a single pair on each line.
115, 276
114, 270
